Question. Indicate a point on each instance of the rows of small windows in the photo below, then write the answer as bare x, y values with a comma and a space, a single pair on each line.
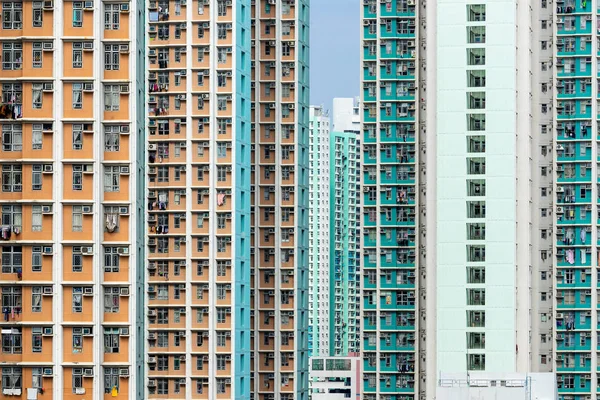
12, 14
12, 177
12, 93
12, 378
12, 257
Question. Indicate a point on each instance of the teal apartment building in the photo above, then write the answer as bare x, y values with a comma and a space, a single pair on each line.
390, 192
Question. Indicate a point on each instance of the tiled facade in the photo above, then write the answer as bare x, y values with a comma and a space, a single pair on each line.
389, 249
227, 199
69, 198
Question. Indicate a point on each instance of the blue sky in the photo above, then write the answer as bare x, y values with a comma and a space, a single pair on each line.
334, 50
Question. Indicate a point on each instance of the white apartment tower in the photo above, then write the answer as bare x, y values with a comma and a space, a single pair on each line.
471, 260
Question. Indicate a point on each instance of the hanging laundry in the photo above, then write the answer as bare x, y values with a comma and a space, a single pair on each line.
582, 236
583, 256
220, 199
111, 222
570, 256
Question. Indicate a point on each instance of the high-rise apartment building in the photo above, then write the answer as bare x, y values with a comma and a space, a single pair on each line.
227, 270
390, 205
344, 232
72, 198
477, 125
334, 286
319, 337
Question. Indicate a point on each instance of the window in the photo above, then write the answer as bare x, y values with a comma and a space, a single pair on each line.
112, 56
162, 363
36, 178
12, 93
12, 178
38, 14
77, 17
77, 219
77, 300
221, 315
12, 341
111, 340
12, 15
11, 298
77, 89
36, 259
36, 218
221, 339
37, 58
12, 137
112, 15
112, 97
475, 340
111, 376
162, 385
221, 173
36, 299
111, 299
77, 61
221, 364
162, 339
77, 136
77, 376
221, 385
476, 362
12, 378
163, 174
12, 56
12, 259
78, 177
112, 137
163, 316
37, 136
112, 178
36, 95
36, 340
111, 259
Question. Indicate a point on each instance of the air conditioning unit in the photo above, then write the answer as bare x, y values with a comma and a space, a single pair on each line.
48, 291
88, 250
123, 251
47, 371
151, 147
124, 7
48, 5
48, 168
88, 291
124, 331
47, 209
48, 86
87, 209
